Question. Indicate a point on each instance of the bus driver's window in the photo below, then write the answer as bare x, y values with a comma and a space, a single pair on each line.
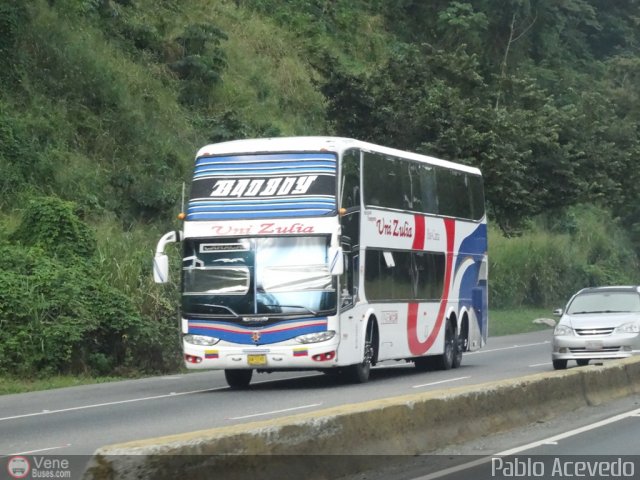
347, 291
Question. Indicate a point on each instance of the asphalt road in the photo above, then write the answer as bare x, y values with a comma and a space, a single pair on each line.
591, 444
594, 442
78, 420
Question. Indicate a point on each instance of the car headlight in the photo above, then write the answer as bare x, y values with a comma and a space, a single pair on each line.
316, 337
201, 340
562, 330
631, 327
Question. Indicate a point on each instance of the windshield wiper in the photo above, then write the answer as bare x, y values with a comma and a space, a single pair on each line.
219, 306
290, 306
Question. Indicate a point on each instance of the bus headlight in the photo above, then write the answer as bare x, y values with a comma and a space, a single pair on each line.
316, 337
201, 340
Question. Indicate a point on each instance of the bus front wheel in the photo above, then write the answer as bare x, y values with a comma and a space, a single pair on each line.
238, 378
360, 372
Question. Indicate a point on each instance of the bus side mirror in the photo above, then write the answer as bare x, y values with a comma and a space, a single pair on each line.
161, 268
336, 261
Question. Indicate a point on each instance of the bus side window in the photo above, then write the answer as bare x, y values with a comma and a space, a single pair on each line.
350, 191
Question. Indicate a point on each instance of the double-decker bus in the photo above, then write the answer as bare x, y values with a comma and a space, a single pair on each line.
330, 254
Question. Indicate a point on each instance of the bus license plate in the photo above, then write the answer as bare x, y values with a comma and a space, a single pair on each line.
257, 360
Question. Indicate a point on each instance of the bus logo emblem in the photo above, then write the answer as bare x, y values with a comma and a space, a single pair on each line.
255, 336
261, 187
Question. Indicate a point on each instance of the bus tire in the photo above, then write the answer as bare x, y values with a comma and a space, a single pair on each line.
457, 354
462, 342
446, 360
238, 379
359, 373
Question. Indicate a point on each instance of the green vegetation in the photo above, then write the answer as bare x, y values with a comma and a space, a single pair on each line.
103, 104
518, 320
9, 385
560, 254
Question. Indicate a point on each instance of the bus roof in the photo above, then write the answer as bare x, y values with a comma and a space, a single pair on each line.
315, 144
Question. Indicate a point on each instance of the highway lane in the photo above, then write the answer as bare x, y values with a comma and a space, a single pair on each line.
78, 420
593, 445
559, 448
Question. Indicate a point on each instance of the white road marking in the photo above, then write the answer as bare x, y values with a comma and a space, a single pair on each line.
311, 374
441, 381
107, 404
132, 400
571, 433
540, 364
275, 412
477, 352
547, 441
456, 469
30, 452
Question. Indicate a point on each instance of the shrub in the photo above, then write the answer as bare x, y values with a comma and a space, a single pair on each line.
578, 248
58, 311
53, 224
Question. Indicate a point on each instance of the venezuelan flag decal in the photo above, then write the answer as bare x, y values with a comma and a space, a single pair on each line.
300, 352
211, 354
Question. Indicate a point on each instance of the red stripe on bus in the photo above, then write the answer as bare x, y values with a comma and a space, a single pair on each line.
415, 345
418, 238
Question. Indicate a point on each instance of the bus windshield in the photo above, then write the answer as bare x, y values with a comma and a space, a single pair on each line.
257, 276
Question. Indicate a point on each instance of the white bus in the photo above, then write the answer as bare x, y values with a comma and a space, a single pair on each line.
330, 254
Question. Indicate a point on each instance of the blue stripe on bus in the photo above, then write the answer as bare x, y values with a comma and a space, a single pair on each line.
326, 199
274, 163
251, 214
237, 208
243, 336
278, 157
214, 173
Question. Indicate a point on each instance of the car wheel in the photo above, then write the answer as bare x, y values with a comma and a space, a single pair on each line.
559, 364
582, 362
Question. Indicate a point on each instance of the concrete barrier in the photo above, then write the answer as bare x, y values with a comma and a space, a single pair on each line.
368, 432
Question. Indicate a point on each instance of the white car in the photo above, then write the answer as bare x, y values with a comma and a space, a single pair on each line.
597, 323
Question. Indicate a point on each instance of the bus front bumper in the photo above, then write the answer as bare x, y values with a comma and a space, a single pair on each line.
310, 356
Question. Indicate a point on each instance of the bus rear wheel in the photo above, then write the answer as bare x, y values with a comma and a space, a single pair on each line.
238, 379
448, 358
457, 355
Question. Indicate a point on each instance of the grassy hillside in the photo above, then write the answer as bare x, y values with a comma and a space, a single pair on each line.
103, 104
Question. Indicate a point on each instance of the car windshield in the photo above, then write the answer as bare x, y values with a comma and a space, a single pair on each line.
604, 302
257, 276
